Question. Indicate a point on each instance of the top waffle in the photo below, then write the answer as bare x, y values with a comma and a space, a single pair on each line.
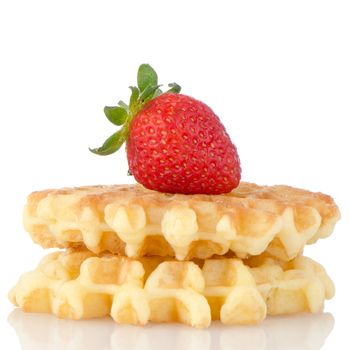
133, 221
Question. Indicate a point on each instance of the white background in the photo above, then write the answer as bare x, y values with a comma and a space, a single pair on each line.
276, 72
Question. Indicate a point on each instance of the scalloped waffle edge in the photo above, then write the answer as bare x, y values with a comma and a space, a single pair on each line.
77, 284
131, 220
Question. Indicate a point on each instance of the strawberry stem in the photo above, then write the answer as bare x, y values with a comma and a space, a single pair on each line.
122, 115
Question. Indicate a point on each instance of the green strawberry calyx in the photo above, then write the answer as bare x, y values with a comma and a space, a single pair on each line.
121, 115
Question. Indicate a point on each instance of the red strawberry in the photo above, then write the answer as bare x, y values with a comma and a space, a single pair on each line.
174, 143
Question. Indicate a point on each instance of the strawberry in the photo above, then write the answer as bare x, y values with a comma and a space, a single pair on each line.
174, 142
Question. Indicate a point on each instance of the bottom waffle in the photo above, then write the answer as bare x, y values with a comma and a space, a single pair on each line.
77, 284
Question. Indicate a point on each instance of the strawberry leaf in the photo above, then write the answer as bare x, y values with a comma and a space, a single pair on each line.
157, 93
175, 88
123, 105
123, 114
146, 76
116, 115
148, 93
111, 145
135, 92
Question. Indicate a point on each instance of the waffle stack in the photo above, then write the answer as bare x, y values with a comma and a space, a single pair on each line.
143, 256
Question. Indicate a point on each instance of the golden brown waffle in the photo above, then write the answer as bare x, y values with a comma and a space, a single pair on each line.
133, 221
76, 284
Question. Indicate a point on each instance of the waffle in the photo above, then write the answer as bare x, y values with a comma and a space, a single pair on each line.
133, 221
77, 284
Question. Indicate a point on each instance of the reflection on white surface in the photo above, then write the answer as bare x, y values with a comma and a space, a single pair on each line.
40, 331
